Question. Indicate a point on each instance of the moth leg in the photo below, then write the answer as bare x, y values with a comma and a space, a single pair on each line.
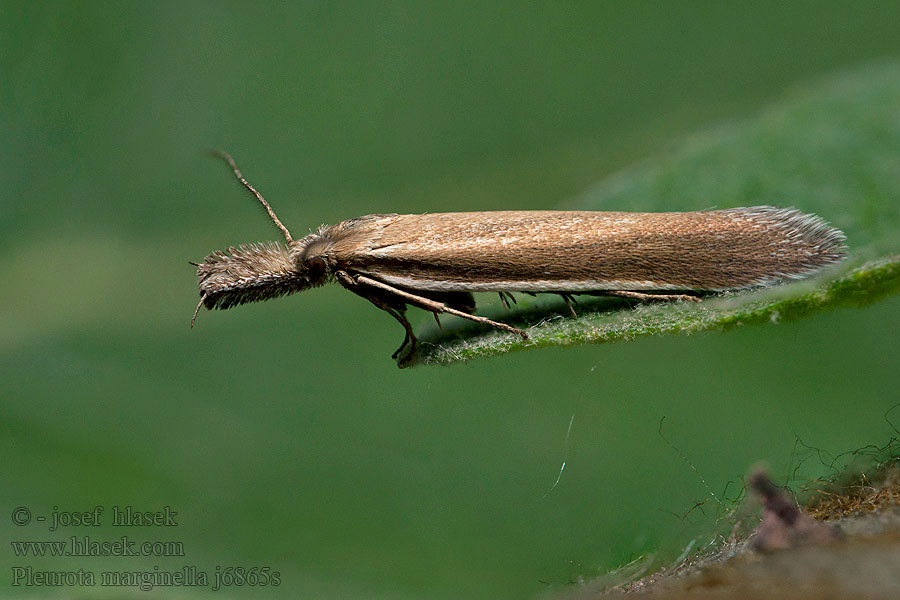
435, 306
409, 339
569, 302
506, 298
650, 297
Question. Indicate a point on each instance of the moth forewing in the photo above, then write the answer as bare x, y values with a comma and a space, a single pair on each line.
568, 251
436, 261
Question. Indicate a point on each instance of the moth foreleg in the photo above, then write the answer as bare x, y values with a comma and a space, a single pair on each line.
409, 339
433, 305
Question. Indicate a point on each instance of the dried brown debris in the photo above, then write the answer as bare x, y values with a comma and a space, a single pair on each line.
858, 499
844, 544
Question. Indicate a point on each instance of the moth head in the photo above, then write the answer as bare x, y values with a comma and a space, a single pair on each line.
255, 272
250, 273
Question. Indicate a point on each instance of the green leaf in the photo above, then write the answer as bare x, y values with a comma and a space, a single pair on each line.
832, 148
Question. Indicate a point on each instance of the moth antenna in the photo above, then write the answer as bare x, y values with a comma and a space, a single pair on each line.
197, 310
227, 157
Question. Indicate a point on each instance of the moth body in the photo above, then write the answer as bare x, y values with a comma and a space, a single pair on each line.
436, 261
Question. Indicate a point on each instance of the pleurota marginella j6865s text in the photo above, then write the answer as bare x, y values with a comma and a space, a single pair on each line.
435, 261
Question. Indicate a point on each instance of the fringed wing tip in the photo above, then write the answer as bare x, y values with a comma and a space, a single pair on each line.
813, 242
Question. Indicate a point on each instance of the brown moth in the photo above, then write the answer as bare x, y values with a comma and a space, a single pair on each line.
435, 261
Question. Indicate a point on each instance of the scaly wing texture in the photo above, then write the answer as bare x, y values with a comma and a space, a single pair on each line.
589, 251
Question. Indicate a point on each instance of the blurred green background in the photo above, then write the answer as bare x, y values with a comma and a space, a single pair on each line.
282, 433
